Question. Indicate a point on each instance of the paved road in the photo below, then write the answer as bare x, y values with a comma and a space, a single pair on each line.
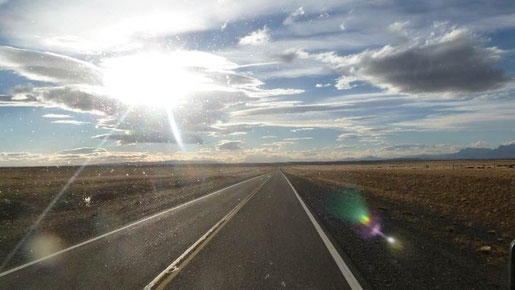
270, 243
260, 236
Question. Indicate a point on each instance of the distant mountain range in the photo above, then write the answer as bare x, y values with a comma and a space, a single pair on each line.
501, 152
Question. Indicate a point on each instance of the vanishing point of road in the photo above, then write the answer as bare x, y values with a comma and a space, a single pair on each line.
255, 234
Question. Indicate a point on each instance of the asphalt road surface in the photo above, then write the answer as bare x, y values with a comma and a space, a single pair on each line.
255, 234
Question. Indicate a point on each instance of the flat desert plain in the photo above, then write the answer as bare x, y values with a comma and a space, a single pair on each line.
453, 221
101, 198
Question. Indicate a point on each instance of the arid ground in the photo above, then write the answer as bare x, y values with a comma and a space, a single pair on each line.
101, 198
453, 220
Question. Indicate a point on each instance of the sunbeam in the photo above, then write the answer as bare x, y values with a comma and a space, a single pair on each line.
58, 196
175, 129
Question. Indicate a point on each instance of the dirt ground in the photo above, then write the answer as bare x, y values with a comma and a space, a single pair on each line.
465, 209
101, 198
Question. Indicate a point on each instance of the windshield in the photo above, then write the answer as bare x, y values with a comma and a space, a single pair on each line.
256, 144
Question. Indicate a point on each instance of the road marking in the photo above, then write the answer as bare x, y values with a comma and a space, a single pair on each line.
347, 273
122, 228
176, 266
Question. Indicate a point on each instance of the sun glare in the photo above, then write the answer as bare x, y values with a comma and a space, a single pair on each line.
154, 79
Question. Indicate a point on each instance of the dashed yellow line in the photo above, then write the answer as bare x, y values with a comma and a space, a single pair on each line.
179, 264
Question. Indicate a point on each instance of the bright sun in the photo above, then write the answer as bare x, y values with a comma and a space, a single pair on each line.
154, 79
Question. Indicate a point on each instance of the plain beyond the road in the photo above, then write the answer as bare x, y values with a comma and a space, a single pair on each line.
270, 242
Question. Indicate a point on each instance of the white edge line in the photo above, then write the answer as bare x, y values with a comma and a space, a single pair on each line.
347, 273
120, 229
173, 265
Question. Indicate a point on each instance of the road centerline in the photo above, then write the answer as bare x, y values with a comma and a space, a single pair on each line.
174, 268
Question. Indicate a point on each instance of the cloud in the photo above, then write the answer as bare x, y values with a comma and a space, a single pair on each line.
405, 147
222, 129
48, 67
223, 26
452, 62
223, 89
236, 98
346, 136
298, 138
239, 133
398, 26
268, 137
258, 37
56, 116
290, 109
70, 122
402, 150
82, 150
279, 143
68, 98
479, 144
126, 25
293, 16
150, 137
76, 156
468, 114
229, 145
301, 129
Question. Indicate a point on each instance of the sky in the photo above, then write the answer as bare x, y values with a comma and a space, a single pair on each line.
252, 81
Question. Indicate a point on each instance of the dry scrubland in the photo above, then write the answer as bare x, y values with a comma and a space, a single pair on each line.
474, 199
102, 197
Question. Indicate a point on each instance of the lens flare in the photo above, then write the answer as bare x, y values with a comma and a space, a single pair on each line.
42, 245
365, 219
350, 206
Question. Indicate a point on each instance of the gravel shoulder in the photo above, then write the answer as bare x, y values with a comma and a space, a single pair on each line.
439, 244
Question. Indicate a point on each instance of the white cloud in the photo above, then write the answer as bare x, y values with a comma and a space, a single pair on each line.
301, 129
347, 136
490, 114
82, 150
298, 138
278, 144
268, 137
479, 144
56, 116
48, 67
229, 145
408, 150
70, 122
233, 99
125, 25
398, 26
75, 157
210, 101
293, 16
346, 82
239, 133
258, 37
223, 26
154, 135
